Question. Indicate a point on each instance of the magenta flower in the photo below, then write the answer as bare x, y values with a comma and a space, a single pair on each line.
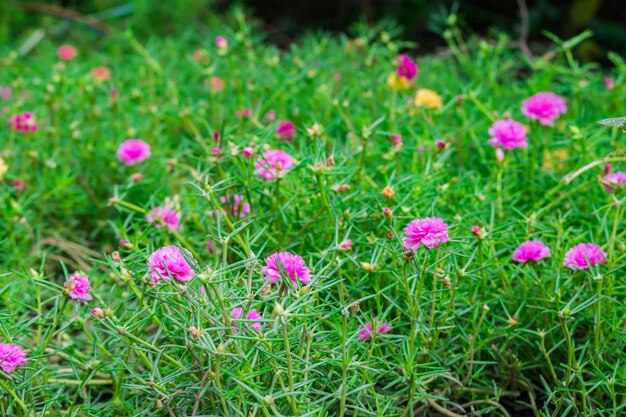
286, 130
252, 316
239, 208
248, 152
24, 122
272, 164
614, 180
609, 83
79, 288
287, 262
544, 107
11, 356
430, 232
406, 67
133, 151
170, 261
584, 255
366, 332
533, 250
66, 52
508, 134
221, 42
164, 216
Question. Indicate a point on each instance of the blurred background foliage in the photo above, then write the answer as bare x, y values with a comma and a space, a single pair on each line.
282, 21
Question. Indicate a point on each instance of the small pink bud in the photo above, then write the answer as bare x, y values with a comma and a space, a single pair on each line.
478, 231
396, 140
221, 42
441, 144
609, 83
607, 169
98, 312
387, 212
19, 185
499, 155
248, 152
216, 151
346, 245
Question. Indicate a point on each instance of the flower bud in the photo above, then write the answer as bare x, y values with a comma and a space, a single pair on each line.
388, 193
98, 312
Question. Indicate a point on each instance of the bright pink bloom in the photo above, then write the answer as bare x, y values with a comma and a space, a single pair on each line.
133, 151
584, 255
221, 42
164, 216
286, 130
544, 107
609, 83
272, 164
430, 232
508, 133
101, 73
24, 122
287, 262
248, 152
252, 316
239, 208
366, 332
406, 67
11, 356
79, 288
216, 151
170, 261
66, 52
617, 178
533, 250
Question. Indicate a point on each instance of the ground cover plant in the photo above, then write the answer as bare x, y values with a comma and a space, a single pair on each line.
199, 227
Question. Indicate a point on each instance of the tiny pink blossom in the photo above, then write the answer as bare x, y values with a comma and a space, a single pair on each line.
133, 151
287, 262
366, 332
239, 208
508, 134
613, 181
248, 152
11, 356
345, 245
170, 261
79, 288
101, 73
286, 130
270, 115
273, 164
387, 212
609, 83
24, 122
216, 151
243, 113
98, 313
216, 84
441, 144
544, 107
164, 216
532, 250
221, 42
499, 155
19, 185
430, 232
406, 67
5, 92
396, 140
252, 316
584, 255
478, 231
66, 52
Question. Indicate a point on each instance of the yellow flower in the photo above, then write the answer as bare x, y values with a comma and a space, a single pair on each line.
428, 98
3, 168
396, 82
553, 160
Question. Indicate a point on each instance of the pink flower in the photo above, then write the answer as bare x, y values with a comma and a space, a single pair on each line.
19, 185
396, 140
170, 261
133, 151
387, 212
24, 122
584, 255
273, 164
164, 216
79, 288
98, 313
286, 130
609, 83
478, 231
216, 84
66, 52
614, 180
508, 133
221, 42
252, 316
270, 115
346, 245
406, 67
545, 107
5, 92
239, 208
11, 356
101, 73
366, 332
533, 250
248, 152
245, 112
287, 262
430, 232
441, 144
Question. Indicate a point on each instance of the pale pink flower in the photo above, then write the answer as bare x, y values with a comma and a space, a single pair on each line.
614, 180
286, 130
101, 73
5, 92
248, 152
273, 164
532, 250
253, 316
11, 356
24, 122
216, 84
508, 134
285, 262
133, 151
221, 42
239, 208
170, 261
79, 288
164, 216
544, 107
19, 185
609, 83
346, 245
499, 155
366, 332
270, 115
406, 67
66, 52
98, 313
430, 232
584, 255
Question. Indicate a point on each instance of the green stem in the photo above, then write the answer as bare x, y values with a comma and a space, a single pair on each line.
57, 318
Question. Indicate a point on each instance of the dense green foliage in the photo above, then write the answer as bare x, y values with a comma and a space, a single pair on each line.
474, 333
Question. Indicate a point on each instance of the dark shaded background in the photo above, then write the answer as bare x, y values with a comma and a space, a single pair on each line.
283, 21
